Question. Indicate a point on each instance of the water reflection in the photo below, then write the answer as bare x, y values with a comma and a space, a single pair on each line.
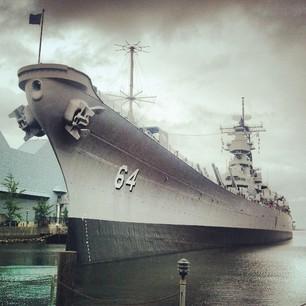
271, 275
29, 254
26, 272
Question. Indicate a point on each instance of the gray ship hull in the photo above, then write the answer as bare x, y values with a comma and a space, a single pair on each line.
130, 196
109, 241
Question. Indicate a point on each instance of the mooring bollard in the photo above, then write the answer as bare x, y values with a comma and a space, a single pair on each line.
183, 269
65, 278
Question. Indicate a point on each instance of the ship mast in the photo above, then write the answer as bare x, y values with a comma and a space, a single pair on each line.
241, 174
242, 111
132, 97
244, 129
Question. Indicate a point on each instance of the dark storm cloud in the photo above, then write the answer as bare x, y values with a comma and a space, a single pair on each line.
281, 20
14, 14
205, 55
14, 18
117, 14
285, 21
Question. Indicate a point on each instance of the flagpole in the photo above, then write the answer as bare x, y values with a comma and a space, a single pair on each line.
41, 31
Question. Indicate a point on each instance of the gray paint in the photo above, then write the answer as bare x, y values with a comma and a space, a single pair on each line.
168, 191
109, 241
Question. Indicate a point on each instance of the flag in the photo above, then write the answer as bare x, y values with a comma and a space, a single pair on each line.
35, 19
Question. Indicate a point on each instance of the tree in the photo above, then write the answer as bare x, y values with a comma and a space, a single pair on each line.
65, 216
10, 199
42, 212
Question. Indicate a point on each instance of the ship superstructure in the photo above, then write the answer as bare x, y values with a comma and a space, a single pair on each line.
242, 178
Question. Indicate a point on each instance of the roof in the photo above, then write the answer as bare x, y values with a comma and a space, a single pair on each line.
33, 145
34, 166
3, 143
28, 193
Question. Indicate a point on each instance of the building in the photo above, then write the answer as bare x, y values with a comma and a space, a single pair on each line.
35, 167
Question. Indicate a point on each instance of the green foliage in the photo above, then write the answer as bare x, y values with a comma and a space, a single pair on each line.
65, 215
42, 212
10, 204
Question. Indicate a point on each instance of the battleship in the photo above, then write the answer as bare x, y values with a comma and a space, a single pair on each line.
131, 195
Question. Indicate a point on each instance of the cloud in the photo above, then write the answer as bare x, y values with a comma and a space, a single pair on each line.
204, 56
282, 21
14, 14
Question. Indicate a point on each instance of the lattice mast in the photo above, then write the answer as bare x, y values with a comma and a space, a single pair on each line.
132, 98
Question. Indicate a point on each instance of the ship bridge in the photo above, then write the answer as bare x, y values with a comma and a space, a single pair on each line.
241, 177
240, 144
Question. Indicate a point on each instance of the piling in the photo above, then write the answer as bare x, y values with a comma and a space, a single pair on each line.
66, 277
52, 289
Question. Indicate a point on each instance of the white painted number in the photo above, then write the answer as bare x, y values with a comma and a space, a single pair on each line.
131, 181
119, 181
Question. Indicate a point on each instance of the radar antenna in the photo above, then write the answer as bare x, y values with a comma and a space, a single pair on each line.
132, 97
247, 130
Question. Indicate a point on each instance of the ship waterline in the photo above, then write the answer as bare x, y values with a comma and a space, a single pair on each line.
129, 195
104, 241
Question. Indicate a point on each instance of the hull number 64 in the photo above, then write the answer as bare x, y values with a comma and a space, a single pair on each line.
120, 178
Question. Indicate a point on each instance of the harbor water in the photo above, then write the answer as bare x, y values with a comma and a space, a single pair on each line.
261, 275
26, 272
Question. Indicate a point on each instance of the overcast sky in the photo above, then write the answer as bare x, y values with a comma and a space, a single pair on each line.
203, 57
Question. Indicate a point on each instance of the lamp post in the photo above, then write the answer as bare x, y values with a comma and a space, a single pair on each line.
183, 269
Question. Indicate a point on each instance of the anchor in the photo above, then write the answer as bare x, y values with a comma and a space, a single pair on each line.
27, 122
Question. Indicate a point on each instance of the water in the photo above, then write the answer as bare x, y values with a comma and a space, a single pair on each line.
271, 275
26, 272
